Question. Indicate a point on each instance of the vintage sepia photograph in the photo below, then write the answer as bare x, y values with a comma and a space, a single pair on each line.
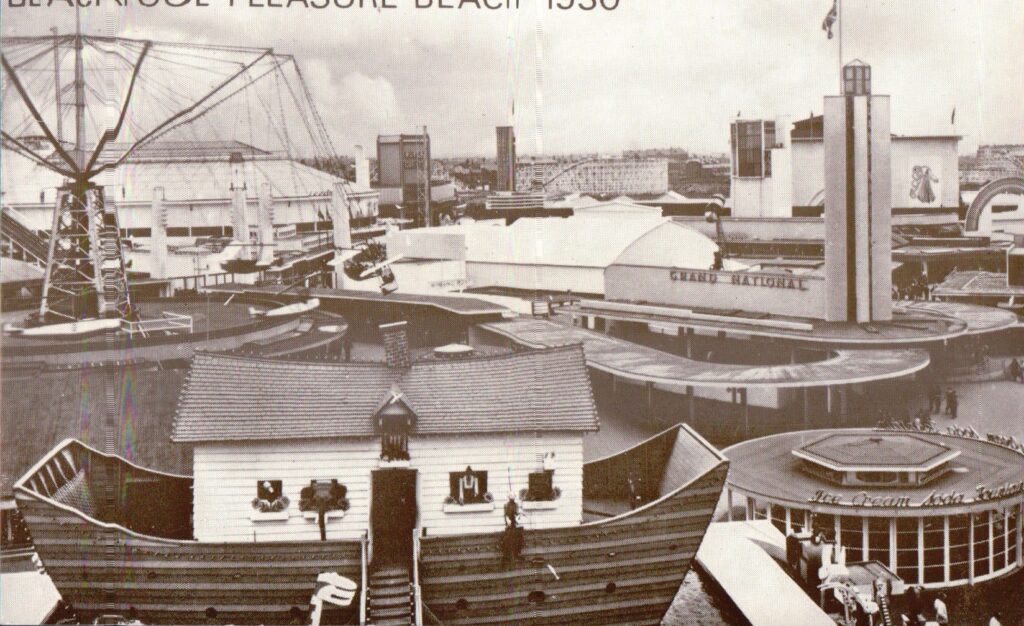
512, 312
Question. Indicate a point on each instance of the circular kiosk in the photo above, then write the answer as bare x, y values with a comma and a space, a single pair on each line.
939, 510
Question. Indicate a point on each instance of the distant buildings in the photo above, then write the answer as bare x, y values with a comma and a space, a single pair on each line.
506, 159
779, 172
992, 162
404, 171
515, 201
598, 176
695, 177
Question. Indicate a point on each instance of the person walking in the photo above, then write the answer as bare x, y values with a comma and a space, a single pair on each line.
935, 398
952, 402
1013, 369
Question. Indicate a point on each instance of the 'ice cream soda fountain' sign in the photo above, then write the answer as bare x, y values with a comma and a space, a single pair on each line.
982, 493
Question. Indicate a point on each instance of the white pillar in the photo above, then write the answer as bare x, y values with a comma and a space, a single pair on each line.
945, 548
991, 542
865, 539
892, 544
920, 550
970, 549
1020, 532
340, 218
789, 520
239, 218
362, 168
265, 222
158, 236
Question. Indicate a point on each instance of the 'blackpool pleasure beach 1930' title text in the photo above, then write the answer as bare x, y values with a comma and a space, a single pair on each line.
493, 5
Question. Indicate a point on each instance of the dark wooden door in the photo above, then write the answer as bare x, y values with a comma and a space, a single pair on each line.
393, 515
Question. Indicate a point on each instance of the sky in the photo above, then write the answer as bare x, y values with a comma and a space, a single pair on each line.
650, 74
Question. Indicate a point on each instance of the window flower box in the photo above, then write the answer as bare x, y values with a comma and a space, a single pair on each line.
269, 516
479, 507
539, 505
329, 515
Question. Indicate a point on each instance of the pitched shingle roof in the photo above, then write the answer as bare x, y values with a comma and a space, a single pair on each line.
234, 398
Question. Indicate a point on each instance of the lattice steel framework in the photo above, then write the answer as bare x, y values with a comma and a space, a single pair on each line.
128, 94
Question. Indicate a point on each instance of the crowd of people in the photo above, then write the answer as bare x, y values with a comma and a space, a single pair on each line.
936, 397
918, 289
934, 612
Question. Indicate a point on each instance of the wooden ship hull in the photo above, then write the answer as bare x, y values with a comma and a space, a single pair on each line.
127, 550
623, 567
116, 539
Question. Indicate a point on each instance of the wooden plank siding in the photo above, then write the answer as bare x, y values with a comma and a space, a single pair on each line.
225, 477
645, 554
104, 570
508, 460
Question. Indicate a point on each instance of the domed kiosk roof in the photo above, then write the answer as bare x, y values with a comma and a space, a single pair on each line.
867, 451
673, 245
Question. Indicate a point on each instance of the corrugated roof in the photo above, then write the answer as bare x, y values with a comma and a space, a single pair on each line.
233, 398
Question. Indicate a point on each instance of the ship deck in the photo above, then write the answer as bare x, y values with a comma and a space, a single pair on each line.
637, 362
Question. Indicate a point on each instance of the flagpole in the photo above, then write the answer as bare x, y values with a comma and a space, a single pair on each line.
839, 18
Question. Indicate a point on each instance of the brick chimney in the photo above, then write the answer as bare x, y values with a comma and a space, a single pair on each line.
396, 344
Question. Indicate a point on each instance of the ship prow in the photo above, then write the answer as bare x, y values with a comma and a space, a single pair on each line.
646, 510
116, 539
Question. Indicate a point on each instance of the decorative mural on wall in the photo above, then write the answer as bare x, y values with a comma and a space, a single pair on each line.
924, 185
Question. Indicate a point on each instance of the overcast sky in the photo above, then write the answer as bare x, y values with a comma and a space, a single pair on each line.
653, 73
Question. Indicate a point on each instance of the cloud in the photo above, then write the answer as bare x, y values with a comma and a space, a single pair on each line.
652, 73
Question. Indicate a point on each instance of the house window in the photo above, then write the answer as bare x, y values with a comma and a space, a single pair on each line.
268, 489
748, 149
857, 80
468, 487
541, 486
324, 495
270, 497
877, 477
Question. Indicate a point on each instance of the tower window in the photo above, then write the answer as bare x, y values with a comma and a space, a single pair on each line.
857, 80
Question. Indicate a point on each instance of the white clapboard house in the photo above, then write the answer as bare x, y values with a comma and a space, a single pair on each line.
440, 444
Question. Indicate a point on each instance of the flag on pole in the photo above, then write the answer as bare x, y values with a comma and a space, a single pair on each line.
830, 19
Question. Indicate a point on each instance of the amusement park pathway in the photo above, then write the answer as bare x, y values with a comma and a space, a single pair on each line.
991, 407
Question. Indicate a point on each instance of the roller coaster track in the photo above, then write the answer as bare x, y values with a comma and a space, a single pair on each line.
1012, 184
22, 238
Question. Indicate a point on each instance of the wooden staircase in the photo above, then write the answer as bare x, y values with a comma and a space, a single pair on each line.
390, 597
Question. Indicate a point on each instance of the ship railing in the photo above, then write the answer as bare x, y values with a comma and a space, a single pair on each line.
170, 322
417, 593
363, 586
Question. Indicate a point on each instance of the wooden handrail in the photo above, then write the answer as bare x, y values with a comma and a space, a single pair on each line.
362, 589
417, 593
